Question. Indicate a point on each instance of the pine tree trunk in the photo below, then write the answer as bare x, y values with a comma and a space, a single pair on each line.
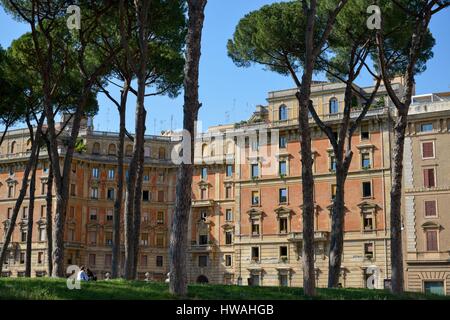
49, 220
115, 261
337, 229
396, 198
29, 251
179, 234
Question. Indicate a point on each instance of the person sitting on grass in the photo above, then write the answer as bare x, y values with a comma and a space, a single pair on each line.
82, 275
91, 275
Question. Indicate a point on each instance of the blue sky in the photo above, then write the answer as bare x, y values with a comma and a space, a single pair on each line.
229, 93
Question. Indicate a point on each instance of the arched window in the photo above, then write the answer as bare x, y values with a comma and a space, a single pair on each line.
129, 150
334, 106
12, 148
29, 145
112, 149
162, 153
213, 150
282, 113
96, 148
230, 148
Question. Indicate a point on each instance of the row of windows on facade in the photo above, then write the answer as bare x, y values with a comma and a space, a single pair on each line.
111, 175
92, 259
144, 240
93, 215
112, 150
333, 108
111, 194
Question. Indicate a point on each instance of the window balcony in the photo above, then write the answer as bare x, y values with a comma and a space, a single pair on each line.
318, 236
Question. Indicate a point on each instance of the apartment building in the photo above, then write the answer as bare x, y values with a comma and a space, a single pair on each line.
246, 220
93, 188
427, 194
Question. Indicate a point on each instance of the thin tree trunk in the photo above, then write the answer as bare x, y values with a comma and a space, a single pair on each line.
22, 193
120, 184
396, 198
30, 221
179, 234
49, 220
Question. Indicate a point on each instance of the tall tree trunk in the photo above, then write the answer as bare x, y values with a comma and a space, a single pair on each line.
49, 220
396, 198
134, 184
179, 234
120, 183
29, 251
22, 193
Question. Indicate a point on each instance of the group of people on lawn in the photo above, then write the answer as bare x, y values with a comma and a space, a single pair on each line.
85, 274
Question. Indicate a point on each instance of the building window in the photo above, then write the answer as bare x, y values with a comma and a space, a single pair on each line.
144, 239
109, 215
229, 170
160, 217
204, 173
42, 234
43, 211
228, 237
228, 260
93, 215
110, 193
283, 223
284, 282
282, 113
96, 148
283, 252
368, 221
162, 153
159, 240
228, 192
73, 190
22, 257
23, 236
203, 239
112, 149
332, 163
93, 237
282, 168
108, 238
228, 215
255, 198
365, 160
282, 141
159, 261
9, 213
92, 258
160, 196
43, 187
255, 254
40, 259
147, 152
146, 195
365, 132
108, 260
71, 234
202, 261
10, 191
426, 127
255, 170
144, 260
430, 208
94, 193
282, 195
428, 150
95, 173
111, 174
25, 213
333, 191
432, 240
434, 287
367, 189
334, 106
255, 228
429, 180
368, 251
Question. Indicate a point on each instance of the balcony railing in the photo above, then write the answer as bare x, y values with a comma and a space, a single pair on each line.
318, 236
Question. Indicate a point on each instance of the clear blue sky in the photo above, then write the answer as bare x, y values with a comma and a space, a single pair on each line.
229, 93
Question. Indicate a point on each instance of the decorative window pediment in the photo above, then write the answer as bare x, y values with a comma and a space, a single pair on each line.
228, 227
203, 184
283, 212
367, 205
255, 214
11, 182
365, 147
431, 225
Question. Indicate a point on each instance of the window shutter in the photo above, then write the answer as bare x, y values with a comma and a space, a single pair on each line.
427, 150
430, 208
432, 240
431, 177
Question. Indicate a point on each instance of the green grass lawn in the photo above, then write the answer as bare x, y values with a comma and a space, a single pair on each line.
56, 289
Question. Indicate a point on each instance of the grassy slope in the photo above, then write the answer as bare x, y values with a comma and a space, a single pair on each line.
51, 289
